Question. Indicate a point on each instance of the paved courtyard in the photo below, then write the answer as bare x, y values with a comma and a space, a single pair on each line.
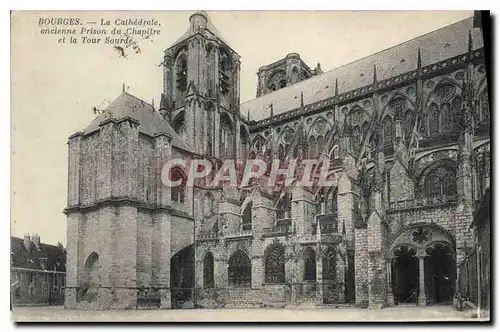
436, 313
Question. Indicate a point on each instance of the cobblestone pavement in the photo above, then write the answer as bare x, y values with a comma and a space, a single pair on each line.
435, 313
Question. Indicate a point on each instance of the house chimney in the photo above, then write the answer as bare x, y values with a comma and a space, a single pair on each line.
27, 243
36, 241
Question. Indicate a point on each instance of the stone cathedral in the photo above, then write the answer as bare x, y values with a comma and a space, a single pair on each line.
406, 132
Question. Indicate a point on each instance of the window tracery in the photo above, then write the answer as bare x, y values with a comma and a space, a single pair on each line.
443, 110
441, 181
240, 270
275, 265
387, 131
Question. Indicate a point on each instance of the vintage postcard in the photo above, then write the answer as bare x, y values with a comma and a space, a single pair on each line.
250, 166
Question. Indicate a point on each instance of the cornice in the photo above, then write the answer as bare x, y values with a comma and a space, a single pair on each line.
410, 77
117, 202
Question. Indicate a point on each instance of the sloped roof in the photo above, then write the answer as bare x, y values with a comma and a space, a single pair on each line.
210, 29
53, 255
150, 120
435, 46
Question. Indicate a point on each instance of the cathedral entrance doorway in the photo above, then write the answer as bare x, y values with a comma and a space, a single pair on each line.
421, 266
405, 275
440, 276
182, 278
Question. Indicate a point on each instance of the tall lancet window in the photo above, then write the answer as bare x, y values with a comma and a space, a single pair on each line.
226, 137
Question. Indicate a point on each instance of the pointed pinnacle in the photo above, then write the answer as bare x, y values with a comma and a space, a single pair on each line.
336, 87
470, 45
374, 73
301, 98
419, 60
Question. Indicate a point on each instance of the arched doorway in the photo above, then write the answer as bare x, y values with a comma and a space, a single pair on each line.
405, 275
88, 290
329, 275
182, 277
440, 268
422, 266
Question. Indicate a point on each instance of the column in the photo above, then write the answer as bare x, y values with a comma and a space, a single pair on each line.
319, 276
340, 282
390, 295
421, 277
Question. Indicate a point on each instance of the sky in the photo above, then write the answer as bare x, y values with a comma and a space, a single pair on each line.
55, 86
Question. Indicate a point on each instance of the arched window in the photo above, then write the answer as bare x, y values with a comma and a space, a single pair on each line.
398, 107
208, 206
483, 111
244, 143
329, 265
180, 127
284, 207
316, 141
326, 202
210, 128
275, 265
240, 270
356, 140
312, 148
284, 143
181, 72
92, 268
91, 279
281, 152
387, 137
211, 75
257, 145
408, 124
277, 80
295, 75
208, 271
246, 220
331, 202
365, 128
433, 120
446, 118
178, 193
441, 181
441, 112
225, 66
321, 145
309, 265
226, 137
